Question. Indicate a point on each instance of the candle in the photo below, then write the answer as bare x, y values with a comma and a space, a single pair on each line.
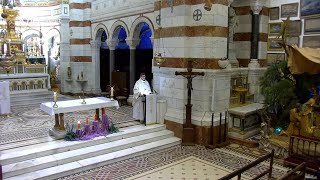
87, 121
55, 97
79, 124
111, 92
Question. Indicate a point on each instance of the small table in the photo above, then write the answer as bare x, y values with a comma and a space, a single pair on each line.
244, 112
75, 105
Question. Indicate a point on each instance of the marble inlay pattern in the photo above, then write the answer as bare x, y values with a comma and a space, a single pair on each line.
80, 41
80, 59
247, 37
198, 63
80, 5
192, 31
222, 158
189, 168
247, 10
79, 23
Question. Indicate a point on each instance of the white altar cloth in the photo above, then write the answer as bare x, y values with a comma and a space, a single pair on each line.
75, 105
4, 97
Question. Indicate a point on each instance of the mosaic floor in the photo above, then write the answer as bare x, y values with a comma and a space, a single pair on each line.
179, 162
29, 122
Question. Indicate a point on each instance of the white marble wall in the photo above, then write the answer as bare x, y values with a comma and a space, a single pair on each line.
192, 47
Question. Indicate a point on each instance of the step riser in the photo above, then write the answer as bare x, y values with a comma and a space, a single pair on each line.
78, 146
85, 168
85, 156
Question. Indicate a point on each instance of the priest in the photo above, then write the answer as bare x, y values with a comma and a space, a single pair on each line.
140, 90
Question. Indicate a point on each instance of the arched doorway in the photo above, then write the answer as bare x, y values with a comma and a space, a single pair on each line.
104, 61
144, 52
121, 74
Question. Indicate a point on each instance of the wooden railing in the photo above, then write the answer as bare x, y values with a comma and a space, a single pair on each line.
304, 149
297, 173
252, 164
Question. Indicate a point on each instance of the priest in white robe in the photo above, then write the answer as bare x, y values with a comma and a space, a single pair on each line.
140, 89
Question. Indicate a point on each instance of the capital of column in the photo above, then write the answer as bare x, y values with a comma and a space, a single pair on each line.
95, 44
256, 6
230, 2
132, 43
112, 44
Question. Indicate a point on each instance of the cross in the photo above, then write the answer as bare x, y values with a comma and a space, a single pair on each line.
197, 14
188, 129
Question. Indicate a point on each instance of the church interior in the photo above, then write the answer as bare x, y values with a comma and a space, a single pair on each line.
233, 89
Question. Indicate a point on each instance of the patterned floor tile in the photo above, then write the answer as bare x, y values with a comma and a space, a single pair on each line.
221, 158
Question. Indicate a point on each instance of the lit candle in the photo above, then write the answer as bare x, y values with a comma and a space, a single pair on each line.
87, 121
79, 124
55, 97
111, 91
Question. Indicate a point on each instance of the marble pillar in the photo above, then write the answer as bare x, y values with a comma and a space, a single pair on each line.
112, 47
95, 83
256, 8
233, 23
64, 52
132, 45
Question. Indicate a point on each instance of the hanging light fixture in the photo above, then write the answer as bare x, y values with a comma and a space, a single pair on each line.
159, 57
208, 5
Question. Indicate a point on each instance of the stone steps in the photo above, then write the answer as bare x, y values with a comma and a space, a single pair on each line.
60, 158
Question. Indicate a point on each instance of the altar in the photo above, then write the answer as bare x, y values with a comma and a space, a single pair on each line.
245, 121
71, 106
4, 98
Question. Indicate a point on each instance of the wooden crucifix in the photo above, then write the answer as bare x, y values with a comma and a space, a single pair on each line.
188, 129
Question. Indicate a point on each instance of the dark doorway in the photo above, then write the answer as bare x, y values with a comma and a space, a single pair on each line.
104, 69
144, 63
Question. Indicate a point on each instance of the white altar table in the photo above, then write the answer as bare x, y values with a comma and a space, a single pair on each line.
75, 105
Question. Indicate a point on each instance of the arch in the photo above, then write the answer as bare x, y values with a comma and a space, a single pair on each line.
135, 32
29, 32
115, 29
53, 34
98, 31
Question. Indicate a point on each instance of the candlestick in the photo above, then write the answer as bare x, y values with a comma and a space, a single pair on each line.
87, 121
111, 95
79, 124
55, 105
55, 97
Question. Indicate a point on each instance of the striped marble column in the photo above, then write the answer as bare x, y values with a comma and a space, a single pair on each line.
190, 32
80, 47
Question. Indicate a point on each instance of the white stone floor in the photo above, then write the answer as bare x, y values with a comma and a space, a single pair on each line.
190, 168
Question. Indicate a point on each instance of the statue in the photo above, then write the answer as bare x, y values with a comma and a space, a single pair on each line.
303, 119
295, 122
